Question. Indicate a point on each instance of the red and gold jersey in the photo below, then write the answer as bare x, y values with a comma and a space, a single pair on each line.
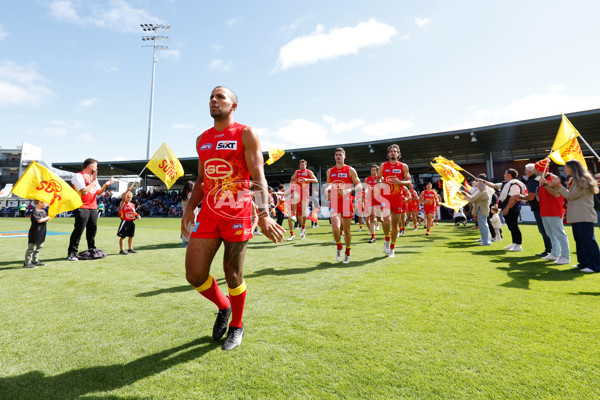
393, 170
127, 212
340, 178
414, 197
226, 175
301, 177
429, 198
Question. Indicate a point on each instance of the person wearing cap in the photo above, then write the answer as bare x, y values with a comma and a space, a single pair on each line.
580, 213
531, 197
551, 211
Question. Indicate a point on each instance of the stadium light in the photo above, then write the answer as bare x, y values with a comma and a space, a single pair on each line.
154, 37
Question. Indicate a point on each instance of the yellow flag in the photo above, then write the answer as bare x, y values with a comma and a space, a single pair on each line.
274, 155
445, 161
448, 173
165, 165
38, 183
566, 146
451, 197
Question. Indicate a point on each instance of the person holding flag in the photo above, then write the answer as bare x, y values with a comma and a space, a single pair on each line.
36, 236
229, 155
86, 217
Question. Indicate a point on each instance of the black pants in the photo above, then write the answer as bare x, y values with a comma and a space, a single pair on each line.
280, 217
512, 221
84, 219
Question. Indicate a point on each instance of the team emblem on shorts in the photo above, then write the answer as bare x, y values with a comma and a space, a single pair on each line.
237, 226
196, 227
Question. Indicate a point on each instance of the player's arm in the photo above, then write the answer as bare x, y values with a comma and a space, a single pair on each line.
294, 177
421, 197
255, 163
312, 179
196, 197
407, 179
358, 187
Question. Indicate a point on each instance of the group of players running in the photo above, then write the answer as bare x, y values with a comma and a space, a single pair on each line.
387, 196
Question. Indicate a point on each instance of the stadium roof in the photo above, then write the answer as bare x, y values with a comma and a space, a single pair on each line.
528, 139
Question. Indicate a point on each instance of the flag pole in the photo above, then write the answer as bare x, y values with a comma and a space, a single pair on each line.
589, 147
5, 200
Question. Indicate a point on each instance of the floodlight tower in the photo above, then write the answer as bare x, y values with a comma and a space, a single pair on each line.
154, 37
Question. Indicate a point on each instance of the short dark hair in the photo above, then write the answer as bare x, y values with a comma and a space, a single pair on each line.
513, 172
340, 149
482, 176
234, 96
303, 161
374, 166
89, 161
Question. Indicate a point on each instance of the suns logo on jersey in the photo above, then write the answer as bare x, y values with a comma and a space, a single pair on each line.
227, 145
217, 168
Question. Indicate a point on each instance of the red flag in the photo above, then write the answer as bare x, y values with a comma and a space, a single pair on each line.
314, 215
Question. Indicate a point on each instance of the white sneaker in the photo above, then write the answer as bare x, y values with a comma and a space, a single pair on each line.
478, 240
550, 257
516, 247
360, 229
402, 233
338, 256
562, 260
588, 270
291, 238
377, 227
392, 253
346, 259
510, 246
303, 233
386, 247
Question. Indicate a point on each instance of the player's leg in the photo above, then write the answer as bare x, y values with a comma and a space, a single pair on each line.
387, 225
395, 222
347, 223
198, 258
233, 262
291, 222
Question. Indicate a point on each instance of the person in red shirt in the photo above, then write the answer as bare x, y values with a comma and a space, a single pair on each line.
429, 199
229, 154
126, 229
340, 180
413, 206
394, 177
86, 184
300, 188
372, 204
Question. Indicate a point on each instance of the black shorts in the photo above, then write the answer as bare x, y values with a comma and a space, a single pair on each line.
126, 229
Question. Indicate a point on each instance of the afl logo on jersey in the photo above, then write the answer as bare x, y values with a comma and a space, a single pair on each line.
206, 146
217, 168
227, 145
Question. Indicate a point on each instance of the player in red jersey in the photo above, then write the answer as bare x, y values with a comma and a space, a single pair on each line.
429, 199
229, 155
300, 187
413, 206
394, 177
404, 196
372, 204
339, 193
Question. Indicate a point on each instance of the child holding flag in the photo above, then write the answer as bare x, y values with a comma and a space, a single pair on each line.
37, 235
127, 227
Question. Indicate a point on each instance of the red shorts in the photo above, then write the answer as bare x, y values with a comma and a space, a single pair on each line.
413, 206
394, 204
301, 209
429, 209
342, 206
209, 225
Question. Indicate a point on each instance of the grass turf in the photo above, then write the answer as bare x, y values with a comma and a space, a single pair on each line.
444, 319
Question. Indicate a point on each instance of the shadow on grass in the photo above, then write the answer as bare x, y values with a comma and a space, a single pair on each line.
318, 267
586, 294
522, 271
158, 246
79, 382
175, 289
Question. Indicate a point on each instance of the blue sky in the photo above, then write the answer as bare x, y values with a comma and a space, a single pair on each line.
75, 80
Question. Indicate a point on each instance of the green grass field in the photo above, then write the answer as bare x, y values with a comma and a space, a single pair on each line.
445, 319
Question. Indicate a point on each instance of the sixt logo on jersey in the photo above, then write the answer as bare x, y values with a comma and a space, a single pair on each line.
342, 175
206, 146
396, 171
227, 145
237, 226
217, 168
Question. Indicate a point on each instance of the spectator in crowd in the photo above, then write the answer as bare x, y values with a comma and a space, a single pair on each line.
186, 193
481, 208
580, 213
531, 197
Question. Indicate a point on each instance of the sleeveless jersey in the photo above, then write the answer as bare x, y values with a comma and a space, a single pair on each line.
390, 170
88, 199
226, 175
127, 212
414, 197
340, 177
429, 198
301, 176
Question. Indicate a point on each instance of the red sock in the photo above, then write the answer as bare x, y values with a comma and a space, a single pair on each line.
392, 246
347, 251
387, 238
210, 290
373, 235
238, 299
402, 229
339, 245
303, 226
428, 229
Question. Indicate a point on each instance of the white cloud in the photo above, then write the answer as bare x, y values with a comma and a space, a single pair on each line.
341, 126
88, 137
388, 127
219, 65
337, 42
3, 33
119, 16
552, 102
22, 85
422, 22
295, 133
88, 102
404, 37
